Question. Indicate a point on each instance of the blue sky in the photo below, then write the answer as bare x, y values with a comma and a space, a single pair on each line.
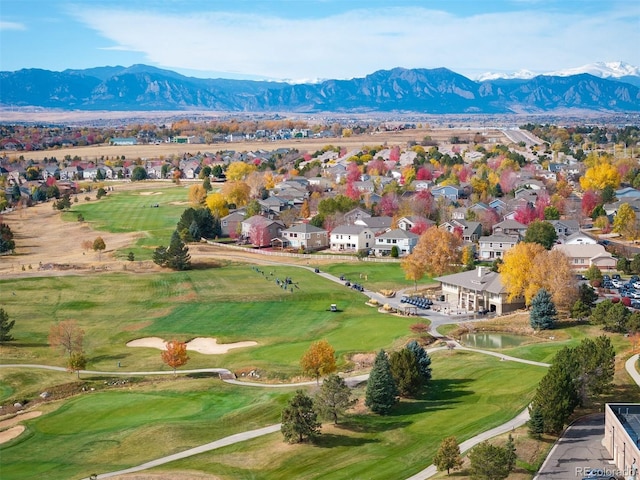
303, 40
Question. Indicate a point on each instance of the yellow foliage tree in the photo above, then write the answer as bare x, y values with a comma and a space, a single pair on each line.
599, 176
197, 194
319, 360
552, 271
218, 205
305, 211
516, 268
237, 192
624, 222
238, 170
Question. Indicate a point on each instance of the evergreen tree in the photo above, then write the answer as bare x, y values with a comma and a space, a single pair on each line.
556, 396
536, 422
160, 256
423, 358
623, 265
541, 232
5, 326
299, 419
587, 295
510, 447
194, 231
448, 455
381, 389
178, 257
489, 462
406, 372
543, 312
579, 310
334, 398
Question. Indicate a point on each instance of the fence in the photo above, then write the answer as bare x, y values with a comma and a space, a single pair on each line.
307, 256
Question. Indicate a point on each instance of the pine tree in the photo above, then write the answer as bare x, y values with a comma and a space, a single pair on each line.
406, 372
299, 419
510, 447
543, 311
178, 257
381, 389
489, 462
423, 358
5, 326
536, 422
334, 398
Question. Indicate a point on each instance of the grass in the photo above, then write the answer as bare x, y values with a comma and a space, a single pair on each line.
106, 431
378, 275
130, 211
470, 393
118, 307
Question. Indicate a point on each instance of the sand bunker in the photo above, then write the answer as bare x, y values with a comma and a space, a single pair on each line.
206, 346
13, 432
150, 193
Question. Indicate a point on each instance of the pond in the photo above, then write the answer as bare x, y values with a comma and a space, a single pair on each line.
492, 340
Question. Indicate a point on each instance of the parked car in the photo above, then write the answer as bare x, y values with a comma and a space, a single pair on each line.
615, 276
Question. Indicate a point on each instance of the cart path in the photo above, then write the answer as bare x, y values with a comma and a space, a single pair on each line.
630, 366
428, 472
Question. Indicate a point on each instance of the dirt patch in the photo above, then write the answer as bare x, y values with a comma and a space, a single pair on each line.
206, 346
137, 326
48, 245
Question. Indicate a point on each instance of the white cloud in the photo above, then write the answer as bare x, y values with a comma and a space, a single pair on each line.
11, 26
358, 42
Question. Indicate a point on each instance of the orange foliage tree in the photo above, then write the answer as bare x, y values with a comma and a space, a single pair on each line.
437, 253
319, 360
175, 354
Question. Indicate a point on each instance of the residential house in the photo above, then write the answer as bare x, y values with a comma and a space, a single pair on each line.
420, 185
122, 141
229, 223
50, 171
471, 231
450, 192
564, 228
510, 227
496, 245
579, 238
407, 223
261, 231
479, 289
191, 169
352, 215
351, 238
377, 224
305, 236
404, 240
627, 193
582, 256
364, 187
71, 173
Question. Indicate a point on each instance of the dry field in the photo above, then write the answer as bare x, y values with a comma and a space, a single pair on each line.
165, 150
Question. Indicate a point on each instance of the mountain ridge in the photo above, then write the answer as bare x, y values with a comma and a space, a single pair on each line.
420, 90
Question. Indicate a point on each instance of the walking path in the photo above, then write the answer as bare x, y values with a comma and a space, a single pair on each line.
630, 366
428, 472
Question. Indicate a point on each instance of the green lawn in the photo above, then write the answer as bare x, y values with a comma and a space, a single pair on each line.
374, 276
106, 431
470, 393
231, 303
132, 211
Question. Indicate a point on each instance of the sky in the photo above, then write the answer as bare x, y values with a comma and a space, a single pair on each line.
311, 40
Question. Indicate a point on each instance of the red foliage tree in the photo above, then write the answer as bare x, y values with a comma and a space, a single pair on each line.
424, 173
488, 218
525, 214
508, 180
420, 227
423, 203
259, 233
590, 200
353, 172
394, 155
465, 173
352, 192
388, 205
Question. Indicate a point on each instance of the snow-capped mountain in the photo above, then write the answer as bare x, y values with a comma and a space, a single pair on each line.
613, 70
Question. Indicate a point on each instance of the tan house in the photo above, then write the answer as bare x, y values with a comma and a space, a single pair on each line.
306, 236
621, 433
583, 256
479, 289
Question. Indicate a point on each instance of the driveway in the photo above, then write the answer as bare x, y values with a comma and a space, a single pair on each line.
579, 449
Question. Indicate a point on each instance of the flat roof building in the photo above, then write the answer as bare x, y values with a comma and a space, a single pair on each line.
622, 435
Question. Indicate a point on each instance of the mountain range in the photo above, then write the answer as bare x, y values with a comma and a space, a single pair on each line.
428, 91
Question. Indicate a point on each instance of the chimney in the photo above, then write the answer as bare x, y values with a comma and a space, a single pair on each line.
480, 272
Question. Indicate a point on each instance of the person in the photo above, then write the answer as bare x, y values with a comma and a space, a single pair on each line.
633, 471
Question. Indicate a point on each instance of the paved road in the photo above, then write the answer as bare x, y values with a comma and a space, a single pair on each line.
580, 447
